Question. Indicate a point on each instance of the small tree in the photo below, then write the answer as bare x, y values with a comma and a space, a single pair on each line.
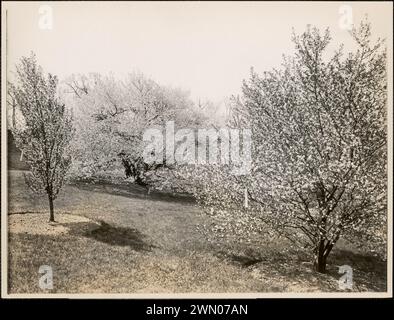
46, 131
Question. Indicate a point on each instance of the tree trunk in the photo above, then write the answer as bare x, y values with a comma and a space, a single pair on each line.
138, 180
51, 213
135, 170
320, 262
127, 168
13, 115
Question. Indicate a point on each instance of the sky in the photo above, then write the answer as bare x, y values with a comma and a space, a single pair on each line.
206, 48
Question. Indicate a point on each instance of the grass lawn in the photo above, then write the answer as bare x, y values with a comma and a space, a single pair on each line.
118, 239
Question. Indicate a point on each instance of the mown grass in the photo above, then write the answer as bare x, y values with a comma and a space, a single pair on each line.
143, 243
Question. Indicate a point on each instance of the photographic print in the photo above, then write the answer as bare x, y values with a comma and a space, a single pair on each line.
196, 149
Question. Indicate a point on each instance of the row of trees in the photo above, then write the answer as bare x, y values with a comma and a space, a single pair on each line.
319, 140
101, 128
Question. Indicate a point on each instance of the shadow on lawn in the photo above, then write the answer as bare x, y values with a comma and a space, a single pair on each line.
365, 262
131, 190
369, 272
119, 236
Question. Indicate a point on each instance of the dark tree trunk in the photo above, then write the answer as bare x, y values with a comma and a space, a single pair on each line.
13, 115
128, 170
320, 262
133, 169
140, 181
51, 212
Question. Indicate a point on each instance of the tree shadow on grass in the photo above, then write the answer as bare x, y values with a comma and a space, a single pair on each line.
365, 262
119, 236
244, 260
248, 257
296, 269
132, 190
292, 267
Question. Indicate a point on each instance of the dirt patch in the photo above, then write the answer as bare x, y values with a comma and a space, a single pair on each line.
38, 224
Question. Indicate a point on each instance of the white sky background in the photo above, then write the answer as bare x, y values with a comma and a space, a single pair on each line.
207, 48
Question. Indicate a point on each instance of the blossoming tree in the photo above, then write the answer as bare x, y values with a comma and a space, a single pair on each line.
319, 147
46, 129
112, 115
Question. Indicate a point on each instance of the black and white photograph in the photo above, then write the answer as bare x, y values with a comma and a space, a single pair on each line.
196, 149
